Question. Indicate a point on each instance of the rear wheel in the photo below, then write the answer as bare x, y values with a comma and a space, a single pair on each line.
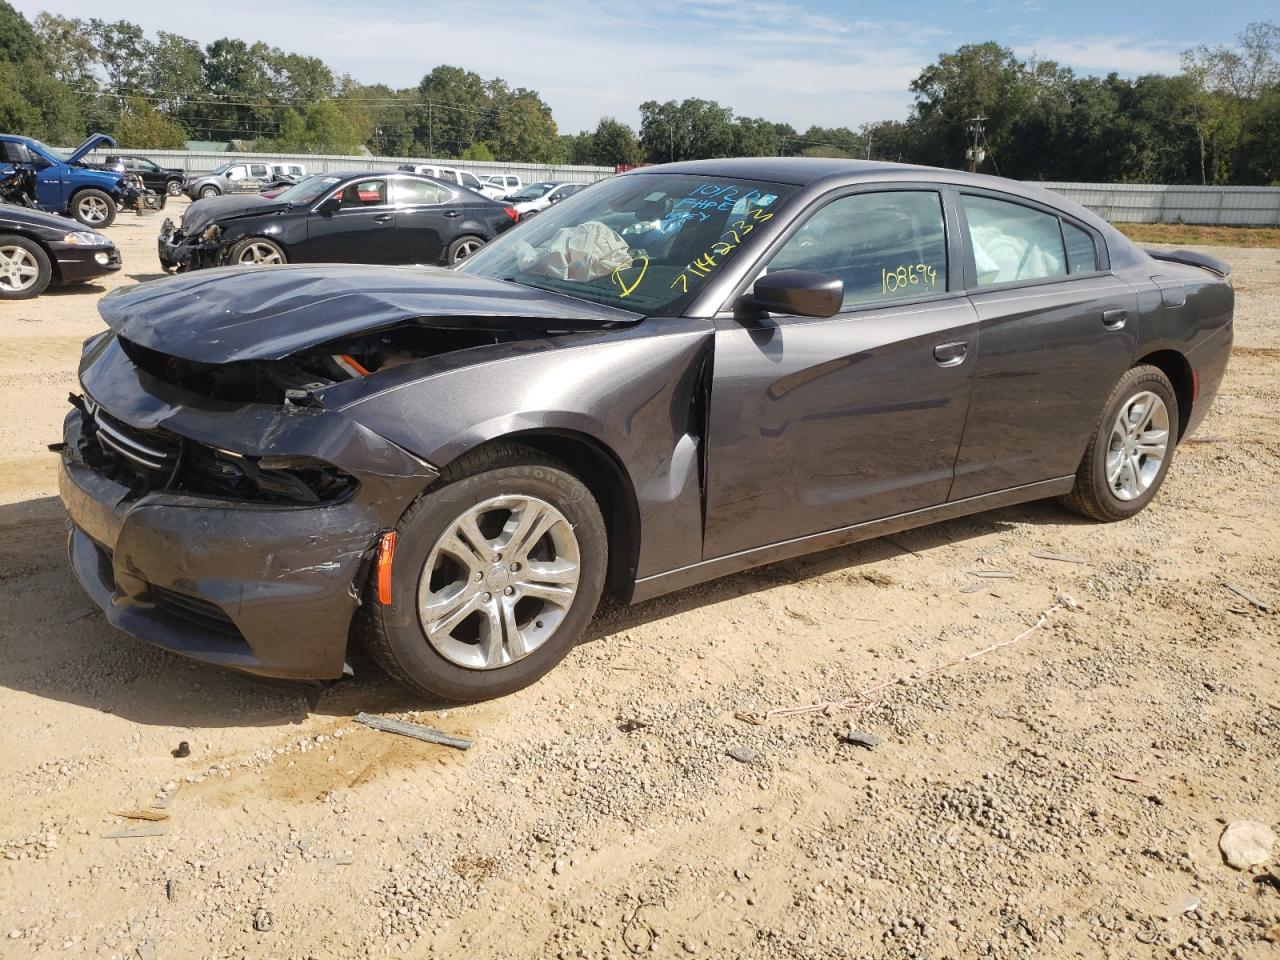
498, 569
462, 248
257, 252
24, 268
1129, 456
93, 208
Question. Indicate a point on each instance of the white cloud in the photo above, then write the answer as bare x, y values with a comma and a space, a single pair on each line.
1123, 55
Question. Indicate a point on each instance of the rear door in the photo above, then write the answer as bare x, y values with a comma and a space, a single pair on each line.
427, 215
361, 230
818, 424
1056, 330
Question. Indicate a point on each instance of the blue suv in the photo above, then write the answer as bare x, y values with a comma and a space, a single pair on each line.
63, 184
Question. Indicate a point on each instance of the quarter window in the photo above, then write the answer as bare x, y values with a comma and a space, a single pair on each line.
1082, 252
1012, 243
883, 246
412, 193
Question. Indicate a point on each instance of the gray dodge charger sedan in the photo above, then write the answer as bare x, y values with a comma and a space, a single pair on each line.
678, 373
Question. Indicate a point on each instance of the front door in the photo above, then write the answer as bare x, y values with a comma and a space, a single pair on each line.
426, 215
1056, 330
818, 424
361, 230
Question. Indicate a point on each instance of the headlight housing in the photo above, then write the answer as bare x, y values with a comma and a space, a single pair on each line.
211, 233
87, 238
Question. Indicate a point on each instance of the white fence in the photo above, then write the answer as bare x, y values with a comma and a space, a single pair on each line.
1157, 203
1120, 202
196, 162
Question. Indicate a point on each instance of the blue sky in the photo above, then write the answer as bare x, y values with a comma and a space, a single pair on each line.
799, 61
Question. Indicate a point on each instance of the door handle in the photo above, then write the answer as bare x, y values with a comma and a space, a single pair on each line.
384, 218
453, 213
1114, 319
951, 354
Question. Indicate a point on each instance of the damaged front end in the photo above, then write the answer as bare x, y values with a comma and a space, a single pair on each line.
222, 505
236, 533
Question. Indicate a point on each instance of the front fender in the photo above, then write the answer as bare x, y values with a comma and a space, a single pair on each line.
632, 391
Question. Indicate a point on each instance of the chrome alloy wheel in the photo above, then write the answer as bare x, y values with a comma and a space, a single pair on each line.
93, 210
499, 582
18, 268
1138, 446
260, 255
466, 249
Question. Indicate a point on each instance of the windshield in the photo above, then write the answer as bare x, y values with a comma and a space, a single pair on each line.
309, 189
642, 242
219, 170
533, 191
56, 156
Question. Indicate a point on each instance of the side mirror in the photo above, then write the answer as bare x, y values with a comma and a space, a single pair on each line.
329, 205
802, 293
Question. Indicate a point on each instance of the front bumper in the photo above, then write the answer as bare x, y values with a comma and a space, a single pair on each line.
177, 251
76, 262
265, 588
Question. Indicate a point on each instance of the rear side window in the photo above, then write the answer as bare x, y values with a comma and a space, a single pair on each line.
469, 180
883, 246
410, 193
1082, 252
1012, 243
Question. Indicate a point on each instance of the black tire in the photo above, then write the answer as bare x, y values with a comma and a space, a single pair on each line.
462, 248
209, 190
33, 251
173, 188
394, 635
233, 257
1092, 495
86, 197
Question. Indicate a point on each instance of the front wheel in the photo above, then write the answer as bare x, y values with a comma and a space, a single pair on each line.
210, 191
257, 252
25, 270
93, 208
173, 188
462, 248
497, 571
1129, 456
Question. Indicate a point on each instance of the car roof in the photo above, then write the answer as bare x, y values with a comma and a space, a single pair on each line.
804, 171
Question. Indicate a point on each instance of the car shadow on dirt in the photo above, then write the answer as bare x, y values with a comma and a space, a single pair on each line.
55, 643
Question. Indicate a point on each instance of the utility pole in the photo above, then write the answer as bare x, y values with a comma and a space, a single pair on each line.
975, 154
431, 147
868, 144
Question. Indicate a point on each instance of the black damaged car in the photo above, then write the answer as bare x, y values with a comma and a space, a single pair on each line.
677, 374
359, 217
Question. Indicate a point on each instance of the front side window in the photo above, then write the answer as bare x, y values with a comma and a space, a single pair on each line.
1012, 243
449, 175
365, 193
146, 165
644, 242
882, 246
412, 193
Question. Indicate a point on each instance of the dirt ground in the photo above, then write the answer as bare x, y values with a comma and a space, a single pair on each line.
1061, 796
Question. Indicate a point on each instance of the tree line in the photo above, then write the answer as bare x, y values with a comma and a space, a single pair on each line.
1216, 121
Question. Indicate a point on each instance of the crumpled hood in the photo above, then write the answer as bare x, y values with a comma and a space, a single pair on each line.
212, 209
238, 313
